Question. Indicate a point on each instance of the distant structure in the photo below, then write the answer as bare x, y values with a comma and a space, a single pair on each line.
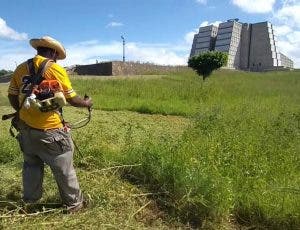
250, 47
120, 68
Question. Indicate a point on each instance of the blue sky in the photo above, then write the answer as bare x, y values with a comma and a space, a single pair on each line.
156, 31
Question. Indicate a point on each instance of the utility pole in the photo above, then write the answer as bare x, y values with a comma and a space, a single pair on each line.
123, 48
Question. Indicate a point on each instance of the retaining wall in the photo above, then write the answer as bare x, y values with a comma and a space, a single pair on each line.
5, 78
124, 68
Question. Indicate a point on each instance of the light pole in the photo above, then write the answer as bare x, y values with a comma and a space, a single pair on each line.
123, 48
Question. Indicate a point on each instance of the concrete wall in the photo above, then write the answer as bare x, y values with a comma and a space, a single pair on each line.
245, 46
124, 68
104, 69
260, 49
5, 78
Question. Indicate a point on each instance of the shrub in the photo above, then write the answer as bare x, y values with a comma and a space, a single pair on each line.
205, 63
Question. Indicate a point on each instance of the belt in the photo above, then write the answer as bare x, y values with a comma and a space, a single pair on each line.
40, 130
45, 130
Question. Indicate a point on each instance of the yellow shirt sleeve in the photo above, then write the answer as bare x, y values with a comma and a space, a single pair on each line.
62, 76
15, 81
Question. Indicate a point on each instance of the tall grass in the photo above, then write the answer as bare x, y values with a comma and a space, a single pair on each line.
175, 95
237, 160
243, 165
240, 157
186, 94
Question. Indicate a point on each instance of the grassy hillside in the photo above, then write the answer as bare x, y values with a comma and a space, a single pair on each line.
114, 202
217, 154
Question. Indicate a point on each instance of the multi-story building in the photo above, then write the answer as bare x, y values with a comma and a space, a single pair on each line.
229, 41
249, 46
204, 40
285, 61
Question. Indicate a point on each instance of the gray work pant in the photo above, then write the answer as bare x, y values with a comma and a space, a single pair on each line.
55, 148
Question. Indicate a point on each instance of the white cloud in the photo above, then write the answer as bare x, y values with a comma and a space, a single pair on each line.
287, 28
206, 23
8, 33
294, 37
13, 53
189, 37
203, 2
289, 44
156, 55
114, 24
282, 30
288, 2
255, 6
285, 47
89, 52
289, 14
291, 49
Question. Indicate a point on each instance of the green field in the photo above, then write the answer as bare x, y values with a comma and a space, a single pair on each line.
173, 151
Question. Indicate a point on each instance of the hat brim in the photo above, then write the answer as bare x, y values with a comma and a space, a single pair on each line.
52, 44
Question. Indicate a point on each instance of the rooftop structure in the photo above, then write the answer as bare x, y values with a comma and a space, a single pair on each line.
250, 47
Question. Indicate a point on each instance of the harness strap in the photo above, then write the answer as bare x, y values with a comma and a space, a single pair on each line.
37, 79
31, 67
38, 76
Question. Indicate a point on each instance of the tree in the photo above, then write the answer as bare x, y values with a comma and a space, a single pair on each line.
3, 72
205, 63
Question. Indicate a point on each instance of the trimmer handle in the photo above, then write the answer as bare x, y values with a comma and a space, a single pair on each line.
86, 97
8, 116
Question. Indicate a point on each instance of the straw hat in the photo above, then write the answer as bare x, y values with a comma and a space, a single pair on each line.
49, 42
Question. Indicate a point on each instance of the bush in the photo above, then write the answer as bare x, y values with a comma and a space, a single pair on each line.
4, 72
205, 63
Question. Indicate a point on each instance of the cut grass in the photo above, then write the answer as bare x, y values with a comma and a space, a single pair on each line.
114, 204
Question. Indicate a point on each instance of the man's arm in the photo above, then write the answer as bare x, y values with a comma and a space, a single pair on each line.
14, 101
79, 102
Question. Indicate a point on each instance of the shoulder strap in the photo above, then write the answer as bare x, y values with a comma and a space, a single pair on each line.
38, 76
31, 66
43, 67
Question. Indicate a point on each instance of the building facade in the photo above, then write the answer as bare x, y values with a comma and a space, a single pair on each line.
229, 41
204, 40
250, 47
285, 61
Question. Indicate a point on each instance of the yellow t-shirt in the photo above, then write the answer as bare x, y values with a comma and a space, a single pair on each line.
32, 116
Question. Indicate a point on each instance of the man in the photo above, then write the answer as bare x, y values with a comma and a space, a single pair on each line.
43, 137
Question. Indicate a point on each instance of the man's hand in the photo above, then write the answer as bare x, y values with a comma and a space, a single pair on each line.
88, 101
79, 102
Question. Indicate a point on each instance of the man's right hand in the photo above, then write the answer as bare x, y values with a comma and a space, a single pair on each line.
88, 102
80, 102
